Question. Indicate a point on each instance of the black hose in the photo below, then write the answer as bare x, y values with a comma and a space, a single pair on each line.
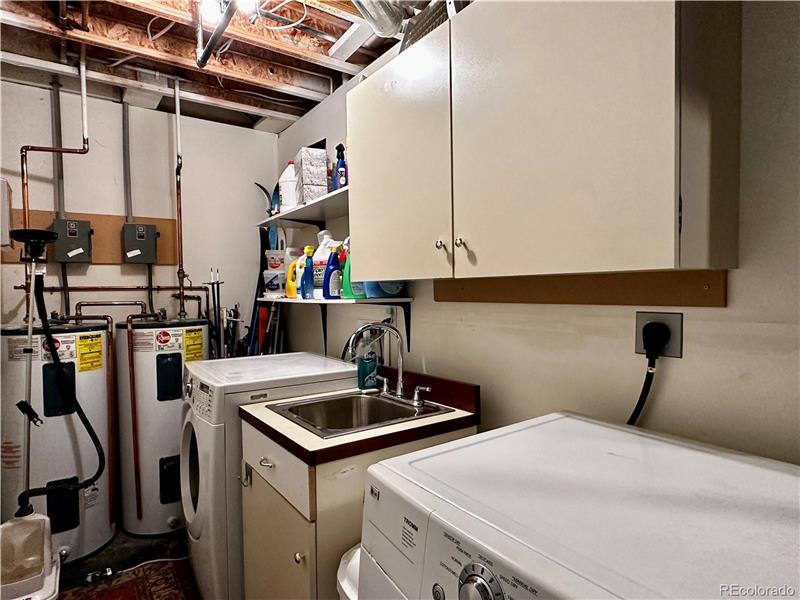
150, 303
648, 382
23, 500
65, 287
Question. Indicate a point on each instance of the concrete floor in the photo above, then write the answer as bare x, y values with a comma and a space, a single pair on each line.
124, 551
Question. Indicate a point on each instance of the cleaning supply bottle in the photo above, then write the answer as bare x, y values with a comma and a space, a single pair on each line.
287, 187
291, 280
340, 174
367, 369
332, 284
307, 278
350, 289
321, 255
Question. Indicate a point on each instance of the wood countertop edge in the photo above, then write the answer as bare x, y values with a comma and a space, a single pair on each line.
362, 446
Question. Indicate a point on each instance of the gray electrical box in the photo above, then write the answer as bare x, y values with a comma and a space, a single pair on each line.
74, 243
139, 243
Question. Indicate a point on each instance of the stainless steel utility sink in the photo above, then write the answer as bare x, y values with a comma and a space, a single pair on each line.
347, 413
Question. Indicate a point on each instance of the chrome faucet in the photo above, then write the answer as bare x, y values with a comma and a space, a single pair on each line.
399, 393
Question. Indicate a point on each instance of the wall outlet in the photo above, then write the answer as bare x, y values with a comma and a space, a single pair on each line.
674, 321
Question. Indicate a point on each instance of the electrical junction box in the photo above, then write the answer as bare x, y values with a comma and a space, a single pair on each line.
74, 243
139, 243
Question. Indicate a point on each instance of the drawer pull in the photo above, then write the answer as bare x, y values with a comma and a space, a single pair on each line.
264, 462
299, 557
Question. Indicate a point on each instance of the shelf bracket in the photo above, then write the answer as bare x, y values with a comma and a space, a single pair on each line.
323, 313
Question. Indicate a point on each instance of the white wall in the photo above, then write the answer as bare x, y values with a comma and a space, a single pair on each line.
221, 204
737, 384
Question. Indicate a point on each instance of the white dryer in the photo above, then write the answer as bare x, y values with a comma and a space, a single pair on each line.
567, 507
211, 450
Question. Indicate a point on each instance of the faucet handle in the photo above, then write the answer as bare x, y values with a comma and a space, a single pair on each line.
385, 383
420, 389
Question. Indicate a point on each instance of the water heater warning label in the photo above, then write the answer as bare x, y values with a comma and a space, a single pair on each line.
65, 346
90, 352
16, 347
193, 344
169, 339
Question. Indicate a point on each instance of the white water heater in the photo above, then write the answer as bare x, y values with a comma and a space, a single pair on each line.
150, 425
60, 450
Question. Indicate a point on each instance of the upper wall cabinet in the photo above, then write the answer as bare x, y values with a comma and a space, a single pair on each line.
586, 137
398, 127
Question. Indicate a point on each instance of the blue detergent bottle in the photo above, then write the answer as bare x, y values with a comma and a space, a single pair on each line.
307, 282
332, 282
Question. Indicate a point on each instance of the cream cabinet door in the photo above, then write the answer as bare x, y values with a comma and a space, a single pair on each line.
564, 137
398, 128
279, 546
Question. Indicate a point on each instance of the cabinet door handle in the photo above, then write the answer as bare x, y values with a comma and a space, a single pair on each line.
440, 244
264, 462
299, 557
459, 242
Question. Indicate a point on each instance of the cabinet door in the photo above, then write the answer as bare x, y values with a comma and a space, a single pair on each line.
275, 534
564, 137
398, 127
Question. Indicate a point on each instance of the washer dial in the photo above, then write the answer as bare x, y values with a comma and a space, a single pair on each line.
477, 582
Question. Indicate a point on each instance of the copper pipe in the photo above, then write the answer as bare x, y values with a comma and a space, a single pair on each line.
111, 406
53, 289
178, 203
196, 298
79, 305
23, 152
137, 479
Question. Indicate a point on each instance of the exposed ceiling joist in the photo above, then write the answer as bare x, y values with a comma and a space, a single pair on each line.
303, 46
191, 92
350, 41
132, 40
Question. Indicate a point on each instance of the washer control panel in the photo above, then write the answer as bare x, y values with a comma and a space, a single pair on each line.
201, 396
456, 567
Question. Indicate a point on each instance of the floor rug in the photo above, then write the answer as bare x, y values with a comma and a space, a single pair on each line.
155, 581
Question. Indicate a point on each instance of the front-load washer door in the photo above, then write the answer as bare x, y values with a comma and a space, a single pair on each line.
201, 463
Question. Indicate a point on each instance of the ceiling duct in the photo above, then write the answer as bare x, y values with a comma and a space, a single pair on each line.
384, 16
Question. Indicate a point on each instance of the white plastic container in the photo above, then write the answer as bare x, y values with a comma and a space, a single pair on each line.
321, 255
287, 187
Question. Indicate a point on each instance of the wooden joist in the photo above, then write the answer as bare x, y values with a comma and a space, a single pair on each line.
289, 42
180, 52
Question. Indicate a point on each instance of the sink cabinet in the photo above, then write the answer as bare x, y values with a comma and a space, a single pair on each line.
585, 138
299, 519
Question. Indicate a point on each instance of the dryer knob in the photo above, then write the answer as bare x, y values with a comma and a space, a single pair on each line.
474, 588
477, 582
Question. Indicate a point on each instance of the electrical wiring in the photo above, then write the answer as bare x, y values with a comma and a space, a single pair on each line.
155, 560
150, 36
260, 8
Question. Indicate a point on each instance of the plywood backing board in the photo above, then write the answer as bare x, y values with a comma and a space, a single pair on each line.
107, 238
650, 288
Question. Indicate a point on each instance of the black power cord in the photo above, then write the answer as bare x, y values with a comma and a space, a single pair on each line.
24, 499
655, 336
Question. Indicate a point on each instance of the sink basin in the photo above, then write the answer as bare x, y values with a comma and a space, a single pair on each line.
347, 413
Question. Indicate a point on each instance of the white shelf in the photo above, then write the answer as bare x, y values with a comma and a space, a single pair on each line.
339, 301
330, 206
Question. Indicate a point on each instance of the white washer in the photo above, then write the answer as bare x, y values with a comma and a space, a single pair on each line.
211, 450
568, 507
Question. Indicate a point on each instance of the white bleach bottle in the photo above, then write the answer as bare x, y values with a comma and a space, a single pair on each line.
287, 187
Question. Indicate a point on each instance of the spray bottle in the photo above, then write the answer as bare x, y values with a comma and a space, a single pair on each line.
307, 278
340, 175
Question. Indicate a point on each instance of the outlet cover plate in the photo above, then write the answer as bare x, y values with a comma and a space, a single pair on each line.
673, 320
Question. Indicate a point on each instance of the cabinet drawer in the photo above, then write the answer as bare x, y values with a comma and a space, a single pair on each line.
289, 475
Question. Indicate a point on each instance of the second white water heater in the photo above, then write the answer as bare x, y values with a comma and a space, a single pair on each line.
150, 411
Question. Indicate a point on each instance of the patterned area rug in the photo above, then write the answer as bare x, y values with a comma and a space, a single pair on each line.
154, 581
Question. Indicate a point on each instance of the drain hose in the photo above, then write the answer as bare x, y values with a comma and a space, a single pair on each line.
24, 499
